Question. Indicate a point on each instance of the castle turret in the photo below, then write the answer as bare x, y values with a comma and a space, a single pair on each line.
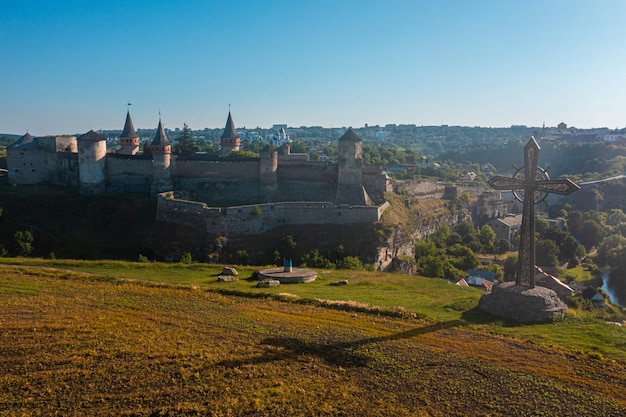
268, 167
161, 153
92, 163
350, 188
230, 140
129, 139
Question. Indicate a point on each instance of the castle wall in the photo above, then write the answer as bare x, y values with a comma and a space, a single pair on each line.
27, 166
54, 144
223, 169
305, 191
298, 170
66, 170
128, 174
260, 217
218, 192
376, 183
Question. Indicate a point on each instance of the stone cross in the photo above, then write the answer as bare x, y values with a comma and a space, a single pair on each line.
535, 185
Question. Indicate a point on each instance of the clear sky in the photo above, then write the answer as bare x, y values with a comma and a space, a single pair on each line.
71, 66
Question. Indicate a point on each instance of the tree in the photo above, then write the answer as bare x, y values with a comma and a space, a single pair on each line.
432, 266
503, 246
287, 247
350, 262
487, 238
186, 145
23, 243
145, 148
462, 257
547, 253
440, 237
424, 249
591, 233
510, 266
610, 250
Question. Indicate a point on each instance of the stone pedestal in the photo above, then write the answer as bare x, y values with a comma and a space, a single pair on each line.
523, 304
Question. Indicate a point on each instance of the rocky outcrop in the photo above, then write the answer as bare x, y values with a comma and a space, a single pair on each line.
523, 304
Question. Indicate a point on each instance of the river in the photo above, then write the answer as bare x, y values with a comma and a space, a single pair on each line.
606, 288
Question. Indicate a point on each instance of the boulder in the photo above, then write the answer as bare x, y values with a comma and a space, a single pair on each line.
227, 278
523, 304
268, 283
229, 270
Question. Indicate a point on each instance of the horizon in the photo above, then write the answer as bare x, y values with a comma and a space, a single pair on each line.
382, 126
73, 67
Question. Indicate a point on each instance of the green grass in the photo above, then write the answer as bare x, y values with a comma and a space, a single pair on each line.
396, 294
88, 344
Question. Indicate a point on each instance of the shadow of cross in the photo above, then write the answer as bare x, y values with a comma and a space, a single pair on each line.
530, 184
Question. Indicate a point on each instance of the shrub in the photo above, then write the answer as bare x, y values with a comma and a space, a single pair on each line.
186, 258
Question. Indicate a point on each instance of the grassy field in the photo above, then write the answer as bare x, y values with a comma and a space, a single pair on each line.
116, 338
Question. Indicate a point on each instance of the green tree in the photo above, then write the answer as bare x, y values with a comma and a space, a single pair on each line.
242, 154
186, 145
23, 243
424, 249
610, 250
591, 233
186, 258
350, 262
510, 267
547, 253
432, 266
440, 237
487, 238
462, 257
145, 148
503, 246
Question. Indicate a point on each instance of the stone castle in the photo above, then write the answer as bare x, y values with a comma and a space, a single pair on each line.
213, 192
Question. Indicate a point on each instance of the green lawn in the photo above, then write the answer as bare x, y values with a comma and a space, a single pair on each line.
431, 299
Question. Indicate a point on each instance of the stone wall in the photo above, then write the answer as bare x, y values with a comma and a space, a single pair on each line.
258, 218
127, 174
27, 167
223, 169
307, 171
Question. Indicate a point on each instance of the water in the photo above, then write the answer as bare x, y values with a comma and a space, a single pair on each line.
607, 289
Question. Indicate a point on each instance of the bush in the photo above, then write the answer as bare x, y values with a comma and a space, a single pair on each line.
186, 258
23, 243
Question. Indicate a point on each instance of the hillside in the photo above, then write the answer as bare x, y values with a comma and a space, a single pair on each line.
93, 345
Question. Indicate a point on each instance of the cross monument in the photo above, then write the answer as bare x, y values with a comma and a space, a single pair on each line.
530, 188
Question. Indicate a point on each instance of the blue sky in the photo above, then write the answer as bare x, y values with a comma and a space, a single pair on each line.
71, 66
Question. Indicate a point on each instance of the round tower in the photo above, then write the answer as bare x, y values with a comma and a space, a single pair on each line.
161, 159
268, 166
230, 140
92, 163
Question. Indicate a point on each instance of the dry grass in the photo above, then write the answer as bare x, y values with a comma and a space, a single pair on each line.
73, 344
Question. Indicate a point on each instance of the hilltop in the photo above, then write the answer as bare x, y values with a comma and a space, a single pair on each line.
100, 344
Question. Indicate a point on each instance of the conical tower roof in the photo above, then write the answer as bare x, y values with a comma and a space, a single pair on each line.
91, 136
24, 140
350, 136
160, 139
129, 128
229, 131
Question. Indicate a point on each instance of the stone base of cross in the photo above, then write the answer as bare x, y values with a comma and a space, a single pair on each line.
530, 185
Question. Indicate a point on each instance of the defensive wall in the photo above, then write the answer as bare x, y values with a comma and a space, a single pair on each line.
128, 173
173, 207
223, 168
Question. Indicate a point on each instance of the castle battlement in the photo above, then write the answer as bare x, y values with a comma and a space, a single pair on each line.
287, 188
